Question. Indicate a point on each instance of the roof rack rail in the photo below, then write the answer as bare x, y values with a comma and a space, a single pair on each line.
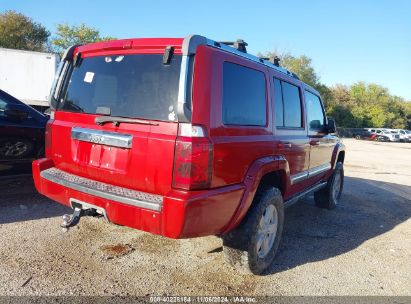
239, 44
191, 43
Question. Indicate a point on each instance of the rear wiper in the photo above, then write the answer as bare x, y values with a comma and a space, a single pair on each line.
101, 120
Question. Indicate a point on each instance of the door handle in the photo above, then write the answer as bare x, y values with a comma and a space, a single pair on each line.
315, 143
285, 145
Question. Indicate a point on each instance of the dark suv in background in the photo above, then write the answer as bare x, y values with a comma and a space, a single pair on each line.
21, 135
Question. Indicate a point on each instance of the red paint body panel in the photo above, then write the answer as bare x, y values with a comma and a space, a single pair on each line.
151, 158
184, 214
241, 155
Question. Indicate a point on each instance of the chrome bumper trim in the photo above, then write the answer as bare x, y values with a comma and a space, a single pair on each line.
103, 190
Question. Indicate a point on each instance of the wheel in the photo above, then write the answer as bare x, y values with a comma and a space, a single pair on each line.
251, 247
329, 196
357, 137
14, 148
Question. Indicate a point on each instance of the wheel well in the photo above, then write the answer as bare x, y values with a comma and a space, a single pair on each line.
274, 179
341, 157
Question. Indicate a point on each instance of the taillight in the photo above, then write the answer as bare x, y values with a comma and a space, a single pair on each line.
47, 135
192, 158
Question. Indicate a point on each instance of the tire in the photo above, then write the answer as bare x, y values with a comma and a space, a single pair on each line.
247, 248
329, 196
15, 148
357, 137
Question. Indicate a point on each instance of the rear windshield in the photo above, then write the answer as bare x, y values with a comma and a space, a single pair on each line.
136, 86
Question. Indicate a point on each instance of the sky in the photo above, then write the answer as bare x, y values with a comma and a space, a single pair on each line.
348, 40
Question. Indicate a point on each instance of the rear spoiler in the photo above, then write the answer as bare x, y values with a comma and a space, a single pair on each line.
65, 63
188, 49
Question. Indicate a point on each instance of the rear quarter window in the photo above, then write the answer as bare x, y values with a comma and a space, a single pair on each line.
244, 96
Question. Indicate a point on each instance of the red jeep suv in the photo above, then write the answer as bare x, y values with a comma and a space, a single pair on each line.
187, 138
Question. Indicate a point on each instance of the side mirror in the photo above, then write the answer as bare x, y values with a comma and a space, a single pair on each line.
331, 126
16, 112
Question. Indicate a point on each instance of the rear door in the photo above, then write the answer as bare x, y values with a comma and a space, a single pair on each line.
116, 121
290, 130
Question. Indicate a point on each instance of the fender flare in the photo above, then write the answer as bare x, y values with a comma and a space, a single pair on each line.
255, 172
339, 147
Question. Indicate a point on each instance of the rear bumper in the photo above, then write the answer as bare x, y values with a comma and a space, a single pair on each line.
179, 214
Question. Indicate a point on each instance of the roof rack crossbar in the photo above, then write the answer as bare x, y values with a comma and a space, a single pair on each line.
239, 44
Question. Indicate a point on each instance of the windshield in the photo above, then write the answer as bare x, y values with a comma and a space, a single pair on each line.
135, 86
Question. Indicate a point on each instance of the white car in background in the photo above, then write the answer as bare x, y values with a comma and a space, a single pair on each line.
405, 135
392, 136
385, 135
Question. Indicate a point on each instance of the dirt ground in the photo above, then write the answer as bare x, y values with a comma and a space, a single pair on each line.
361, 248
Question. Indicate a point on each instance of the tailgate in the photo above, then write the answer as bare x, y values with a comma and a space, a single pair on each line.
132, 156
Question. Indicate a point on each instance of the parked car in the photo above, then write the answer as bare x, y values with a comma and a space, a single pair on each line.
404, 135
187, 138
384, 135
362, 134
21, 135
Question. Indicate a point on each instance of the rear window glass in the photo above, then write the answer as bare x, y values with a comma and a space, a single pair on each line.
279, 107
136, 86
292, 105
288, 112
244, 96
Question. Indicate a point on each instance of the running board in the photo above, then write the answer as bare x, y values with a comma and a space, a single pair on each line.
299, 196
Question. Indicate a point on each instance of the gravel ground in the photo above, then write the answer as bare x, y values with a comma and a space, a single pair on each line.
361, 248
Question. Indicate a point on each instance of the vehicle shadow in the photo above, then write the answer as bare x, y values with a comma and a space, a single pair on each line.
20, 201
367, 209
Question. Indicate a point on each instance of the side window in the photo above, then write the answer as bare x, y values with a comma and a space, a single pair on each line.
315, 112
279, 107
244, 96
288, 112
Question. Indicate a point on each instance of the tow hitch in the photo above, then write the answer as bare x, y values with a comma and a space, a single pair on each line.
80, 209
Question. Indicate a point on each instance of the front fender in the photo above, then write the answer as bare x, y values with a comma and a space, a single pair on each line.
339, 147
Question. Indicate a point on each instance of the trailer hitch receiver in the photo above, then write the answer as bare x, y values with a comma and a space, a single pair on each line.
70, 221
80, 209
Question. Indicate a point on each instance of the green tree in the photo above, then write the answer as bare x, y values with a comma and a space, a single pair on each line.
299, 65
356, 106
18, 31
302, 67
68, 35
368, 105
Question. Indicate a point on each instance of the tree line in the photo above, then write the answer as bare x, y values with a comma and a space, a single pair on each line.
358, 105
18, 31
